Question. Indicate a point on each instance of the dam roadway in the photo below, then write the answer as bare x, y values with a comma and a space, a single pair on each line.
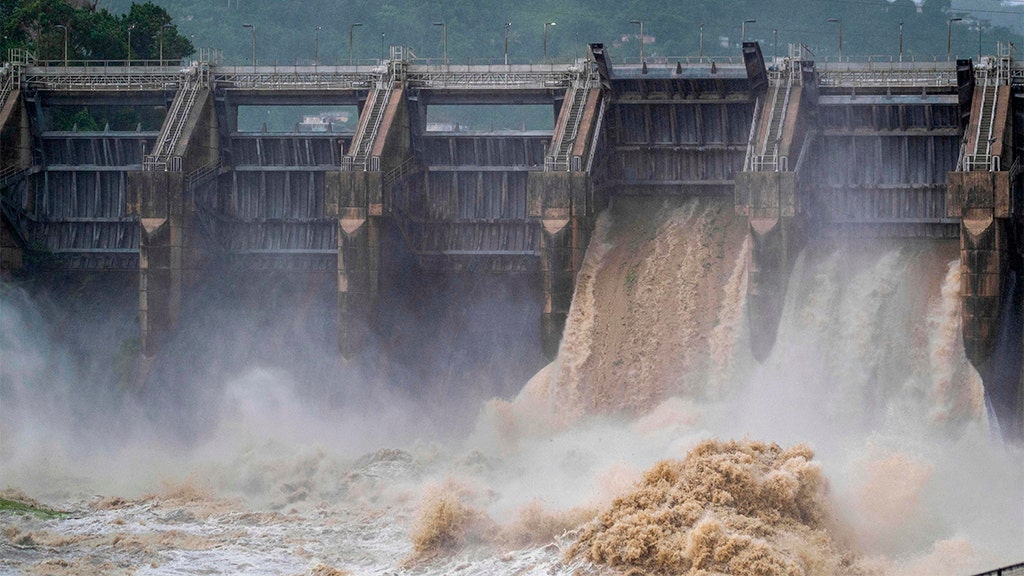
808, 150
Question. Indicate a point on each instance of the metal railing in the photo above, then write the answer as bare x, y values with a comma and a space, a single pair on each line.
201, 175
565, 137
592, 150
366, 132
174, 124
886, 74
7, 79
295, 77
540, 76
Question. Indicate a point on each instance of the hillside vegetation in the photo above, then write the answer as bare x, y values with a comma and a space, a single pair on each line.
288, 32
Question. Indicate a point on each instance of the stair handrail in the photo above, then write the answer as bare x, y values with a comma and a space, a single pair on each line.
592, 151
749, 161
560, 137
192, 88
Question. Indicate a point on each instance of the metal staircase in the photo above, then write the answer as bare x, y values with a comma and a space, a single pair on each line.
162, 158
981, 156
560, 156
765, 157
366, 134
7, 79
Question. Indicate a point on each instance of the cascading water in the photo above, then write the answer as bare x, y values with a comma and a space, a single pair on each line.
885, 464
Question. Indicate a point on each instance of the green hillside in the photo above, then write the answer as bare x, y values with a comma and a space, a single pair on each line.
290, 31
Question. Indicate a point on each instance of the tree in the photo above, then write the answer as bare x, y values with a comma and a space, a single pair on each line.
92, 34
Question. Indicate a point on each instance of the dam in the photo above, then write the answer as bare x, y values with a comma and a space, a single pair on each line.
808, 151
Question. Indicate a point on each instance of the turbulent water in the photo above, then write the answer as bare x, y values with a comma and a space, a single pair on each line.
654, 443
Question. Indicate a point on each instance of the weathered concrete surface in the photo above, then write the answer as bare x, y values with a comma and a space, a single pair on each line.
15, 153
354, 198
357, 200
156, 197
169, 257
564, 203
768, 199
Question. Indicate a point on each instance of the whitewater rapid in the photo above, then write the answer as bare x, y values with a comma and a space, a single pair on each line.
867, 373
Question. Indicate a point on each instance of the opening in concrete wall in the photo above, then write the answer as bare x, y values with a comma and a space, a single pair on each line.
490, 118
297, 119
97, 118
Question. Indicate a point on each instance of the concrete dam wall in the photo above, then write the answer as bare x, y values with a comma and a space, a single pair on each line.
807, 152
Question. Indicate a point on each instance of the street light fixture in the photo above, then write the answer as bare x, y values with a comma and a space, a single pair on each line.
640, 22
546, 24
252, 28
65, 43
162, 28
949, 37
507, 26
840, 23
743, 30
316, 46
700, 49
130, 28
901, 40
350, 29
444, 40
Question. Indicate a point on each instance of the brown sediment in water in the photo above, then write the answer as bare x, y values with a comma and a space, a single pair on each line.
649, 294
446, 522
534, 525
737, 507
322, 570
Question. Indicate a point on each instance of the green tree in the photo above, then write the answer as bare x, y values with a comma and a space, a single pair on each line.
94, 34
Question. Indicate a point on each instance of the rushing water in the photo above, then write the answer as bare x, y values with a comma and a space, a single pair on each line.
885, 463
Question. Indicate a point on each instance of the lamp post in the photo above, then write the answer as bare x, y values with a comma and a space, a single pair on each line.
901, 40
949, 37
840, 24
162, 28
641, 23
700, 45
130, 28
382, 48
775, 44
546, 24
507, 26
444, 40
743, 30
316, 46
350, 29
979, 41
252, 28
65, 28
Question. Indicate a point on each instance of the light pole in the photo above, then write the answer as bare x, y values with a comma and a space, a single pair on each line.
901, 40
350, 29
316, 46
546, 24
700, 49
641, 23
444, 40
840, 24
66, 42
382, 48
507, 26
979, 41
252, 28
775, 44
949, 37
130, 28
162, 28
743, 30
